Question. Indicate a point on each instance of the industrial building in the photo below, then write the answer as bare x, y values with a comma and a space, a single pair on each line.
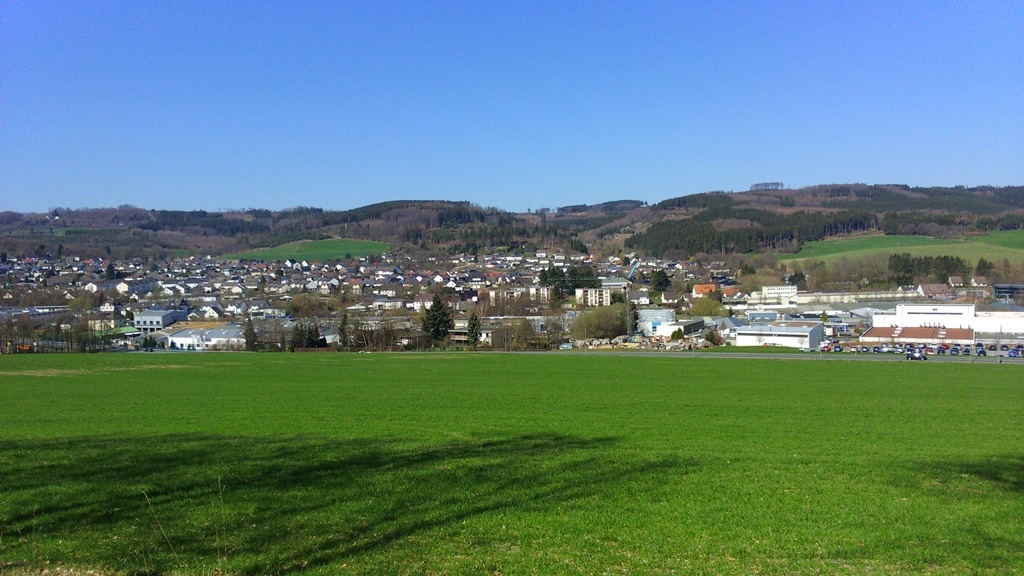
803, 335
944, 324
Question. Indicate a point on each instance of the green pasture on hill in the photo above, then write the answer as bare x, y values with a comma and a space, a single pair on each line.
315, 250
992, 247
1006, 238
512, 464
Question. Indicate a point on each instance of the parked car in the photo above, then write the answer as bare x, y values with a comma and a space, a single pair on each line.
915, 355
981, 352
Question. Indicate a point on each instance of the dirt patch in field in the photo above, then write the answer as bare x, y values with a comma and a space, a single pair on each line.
54, 372
16, 570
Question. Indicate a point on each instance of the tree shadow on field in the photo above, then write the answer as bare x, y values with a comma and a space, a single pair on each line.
1002, 472
191, 503
983, 495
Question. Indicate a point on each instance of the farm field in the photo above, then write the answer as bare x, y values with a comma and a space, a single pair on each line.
994, 246
316, 250
506, 463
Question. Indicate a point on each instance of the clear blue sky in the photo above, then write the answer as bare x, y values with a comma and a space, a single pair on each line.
212, 105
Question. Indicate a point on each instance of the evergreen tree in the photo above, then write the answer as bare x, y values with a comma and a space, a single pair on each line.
344, 329
311, 336
659, 280
473, 330
984, 267
437, 321
305, 335
251, 341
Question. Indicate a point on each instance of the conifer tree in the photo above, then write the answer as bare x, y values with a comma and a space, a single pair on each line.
437, 321
473, 330
250, 336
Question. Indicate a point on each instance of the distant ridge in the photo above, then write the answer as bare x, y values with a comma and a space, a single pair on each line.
767, 218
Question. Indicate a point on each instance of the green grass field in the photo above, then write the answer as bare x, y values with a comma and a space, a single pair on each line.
994, 246
510, 464
1006, 238
316, 250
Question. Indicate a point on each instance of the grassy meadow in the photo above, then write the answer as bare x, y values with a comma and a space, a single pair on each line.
995, 246
315, 250
512, 464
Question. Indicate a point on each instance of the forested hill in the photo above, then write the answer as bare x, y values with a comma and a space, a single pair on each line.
712, 222
782, 220
128, 231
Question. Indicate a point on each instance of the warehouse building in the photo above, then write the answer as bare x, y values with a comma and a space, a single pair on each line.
803, 335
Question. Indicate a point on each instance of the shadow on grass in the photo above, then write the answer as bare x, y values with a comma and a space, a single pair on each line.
1002, 472
282, 505
984, 496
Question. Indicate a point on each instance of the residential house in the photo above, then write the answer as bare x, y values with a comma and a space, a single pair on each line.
935, 291
384, 303
139, 286
704, 290
733, 295
639, 297
421, 301
670, 297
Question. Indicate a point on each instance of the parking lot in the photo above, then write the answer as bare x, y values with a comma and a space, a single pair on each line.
925, 351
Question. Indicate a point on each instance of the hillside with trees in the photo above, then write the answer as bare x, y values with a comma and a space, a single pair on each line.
757, 221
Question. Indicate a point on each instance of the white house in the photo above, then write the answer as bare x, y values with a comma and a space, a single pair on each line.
639, 297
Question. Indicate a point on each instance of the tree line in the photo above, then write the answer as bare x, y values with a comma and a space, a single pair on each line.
767, 231
565, 282
940, 268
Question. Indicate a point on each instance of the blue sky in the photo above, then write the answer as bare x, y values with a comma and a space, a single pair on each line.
215, 105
